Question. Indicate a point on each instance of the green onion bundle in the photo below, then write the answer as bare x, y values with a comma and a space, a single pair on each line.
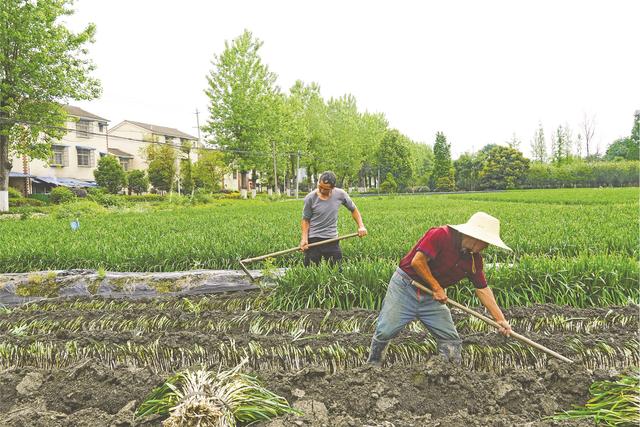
614, 403
209, 399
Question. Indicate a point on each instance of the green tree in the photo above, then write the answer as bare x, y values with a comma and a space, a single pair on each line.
619, 149
504, 168
627, 148
241, 93
186, 168
389, 185
373, 129
514, 142
422, 159
42, 64
162, 165
343, 150
443, 175
633, 152
393, 157
137, 181
539, 145
467, 171
209, 170
316, 113
561, 145
110, 175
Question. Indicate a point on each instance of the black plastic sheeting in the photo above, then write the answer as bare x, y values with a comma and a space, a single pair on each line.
86, 283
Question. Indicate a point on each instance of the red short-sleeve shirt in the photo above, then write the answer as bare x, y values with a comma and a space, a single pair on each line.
447, 263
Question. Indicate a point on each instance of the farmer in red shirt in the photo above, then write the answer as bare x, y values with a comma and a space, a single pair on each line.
441, 258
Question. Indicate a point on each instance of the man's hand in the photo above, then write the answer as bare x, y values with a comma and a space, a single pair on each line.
362, 231
440, 295
505, 328
304, 245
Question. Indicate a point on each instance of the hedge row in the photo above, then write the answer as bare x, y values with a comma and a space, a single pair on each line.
596, 174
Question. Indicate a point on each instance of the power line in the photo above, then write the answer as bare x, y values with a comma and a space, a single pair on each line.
142, 141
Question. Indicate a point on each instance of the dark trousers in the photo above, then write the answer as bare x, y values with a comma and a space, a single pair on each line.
330, 252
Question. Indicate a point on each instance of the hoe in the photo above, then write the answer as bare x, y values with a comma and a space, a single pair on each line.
287, 251
496, 325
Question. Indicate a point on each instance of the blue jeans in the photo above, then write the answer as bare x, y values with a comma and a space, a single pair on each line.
403, 304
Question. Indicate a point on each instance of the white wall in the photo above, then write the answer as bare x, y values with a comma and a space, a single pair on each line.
70, 142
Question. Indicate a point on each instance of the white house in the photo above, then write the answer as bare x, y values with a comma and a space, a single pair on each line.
127, 142
73, 160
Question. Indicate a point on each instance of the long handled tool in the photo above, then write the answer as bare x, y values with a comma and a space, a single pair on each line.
287, 251
495, 324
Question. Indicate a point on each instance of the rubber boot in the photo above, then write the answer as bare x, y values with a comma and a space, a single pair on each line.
451, 350
376, 352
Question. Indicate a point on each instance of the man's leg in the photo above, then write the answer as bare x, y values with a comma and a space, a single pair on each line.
398, 309
437, 318
312, 255
332, 253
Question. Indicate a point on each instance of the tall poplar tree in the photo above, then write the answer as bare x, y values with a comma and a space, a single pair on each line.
443, 175
42, 65
241, 92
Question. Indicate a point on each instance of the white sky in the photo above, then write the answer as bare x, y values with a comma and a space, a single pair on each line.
479, 71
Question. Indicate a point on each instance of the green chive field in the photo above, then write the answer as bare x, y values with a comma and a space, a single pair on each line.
297, 344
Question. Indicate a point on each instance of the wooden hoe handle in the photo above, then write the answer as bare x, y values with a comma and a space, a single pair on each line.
495, 324
297, 248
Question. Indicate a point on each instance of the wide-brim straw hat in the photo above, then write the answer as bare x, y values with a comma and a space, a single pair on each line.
482, 226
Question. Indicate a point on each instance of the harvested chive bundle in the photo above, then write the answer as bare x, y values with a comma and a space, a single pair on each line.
213, 399
614, 403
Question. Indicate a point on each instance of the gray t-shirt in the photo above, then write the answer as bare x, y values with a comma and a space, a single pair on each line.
323, 214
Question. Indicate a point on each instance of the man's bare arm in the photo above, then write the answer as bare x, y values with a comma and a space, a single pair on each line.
362, 230
486, 297
304, 240
420, 265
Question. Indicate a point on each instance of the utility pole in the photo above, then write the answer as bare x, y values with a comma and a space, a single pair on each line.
275, 169
297, 173
198, 127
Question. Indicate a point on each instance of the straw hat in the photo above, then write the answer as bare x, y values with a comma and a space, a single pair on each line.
483, 227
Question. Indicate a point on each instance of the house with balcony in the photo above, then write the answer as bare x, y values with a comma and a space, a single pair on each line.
129, 139
74, 157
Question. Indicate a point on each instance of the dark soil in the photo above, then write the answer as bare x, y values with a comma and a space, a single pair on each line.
424, 392
434, 393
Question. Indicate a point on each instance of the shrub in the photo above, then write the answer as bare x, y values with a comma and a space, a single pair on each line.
389, 185
110, 175
80, 192
225, 195
146, 198
78, 209
26, 202
99, 196
14, 193
45, 198
61, 195
201, 195
445, 183
137, 181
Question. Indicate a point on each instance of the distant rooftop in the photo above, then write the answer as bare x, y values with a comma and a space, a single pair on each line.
120, 153
80, 113
162, 130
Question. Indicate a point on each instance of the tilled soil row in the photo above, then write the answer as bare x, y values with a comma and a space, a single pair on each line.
73, 366
433, 393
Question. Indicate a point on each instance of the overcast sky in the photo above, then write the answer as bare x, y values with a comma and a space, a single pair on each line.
479, 71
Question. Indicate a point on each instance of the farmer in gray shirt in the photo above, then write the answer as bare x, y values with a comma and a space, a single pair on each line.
320, 220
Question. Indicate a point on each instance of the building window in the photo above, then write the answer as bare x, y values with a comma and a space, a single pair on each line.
85, 157
101, 127
59, 156
124, 162
84, 128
